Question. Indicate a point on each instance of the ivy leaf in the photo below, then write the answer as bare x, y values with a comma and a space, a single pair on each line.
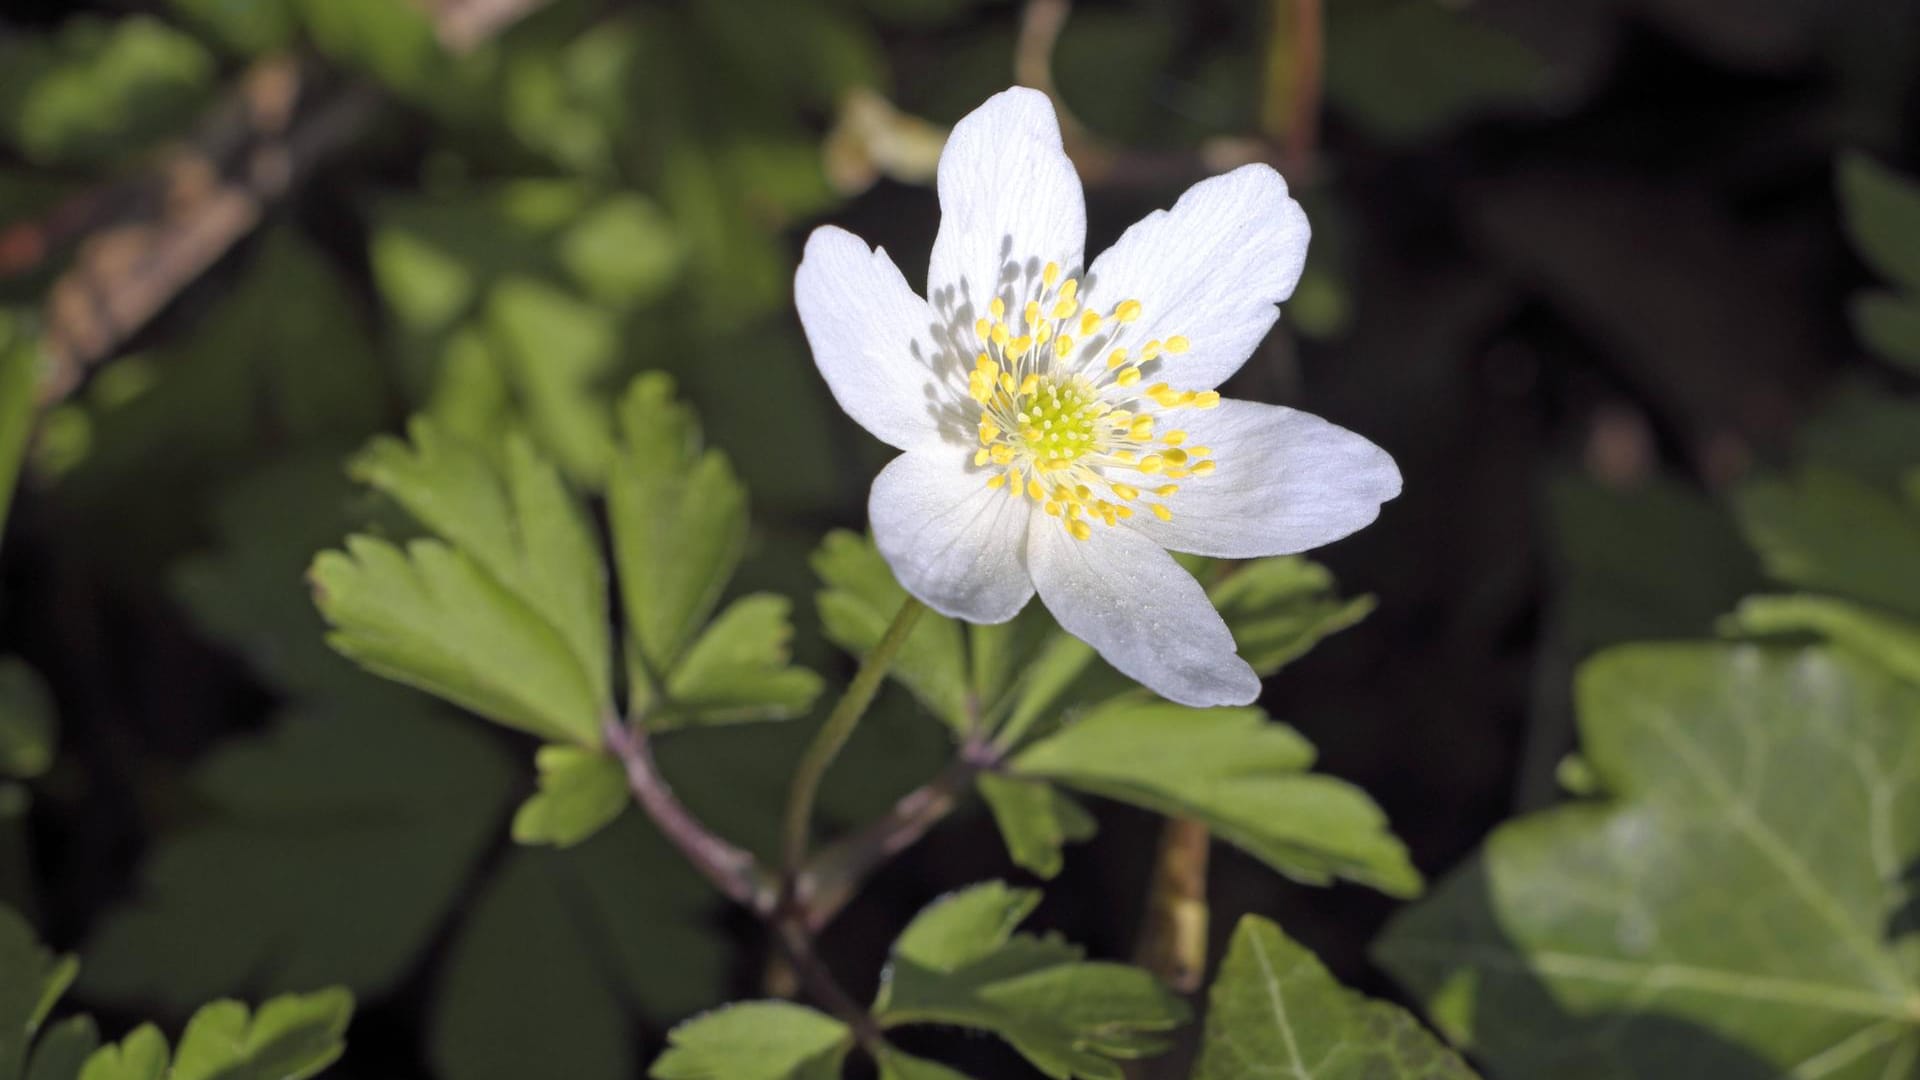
581, 792
28, 730
756, 1040
332, 848
960, 963
1597, 939
1830, 532
431, 618
859, 602
1036, 820
563, 948
679, 519
1892, 642
1275, 1012
516, 520
738, 669
31, 980
1279, 608
1244, 777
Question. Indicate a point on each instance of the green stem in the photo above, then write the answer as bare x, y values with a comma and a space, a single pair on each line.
833, 735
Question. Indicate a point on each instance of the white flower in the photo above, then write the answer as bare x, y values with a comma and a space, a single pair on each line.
1060, 426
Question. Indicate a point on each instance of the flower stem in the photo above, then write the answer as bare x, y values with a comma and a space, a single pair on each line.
731, 869
833, 735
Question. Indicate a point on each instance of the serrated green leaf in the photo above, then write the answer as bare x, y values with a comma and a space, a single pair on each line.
1889, 325
856, 607
515, 519
738, 670
1035, 819
756, 1040
142, 1055
581, 792
562, 352
1275, 1013
1245, 777
1834, 533
32, 979
562, 948
1281, 607
331, 849
960, 963
1706, 919
28, 730
1882, 211
679, 520
289, 1038
98, 88
431, 618
1892, 642
64, 1049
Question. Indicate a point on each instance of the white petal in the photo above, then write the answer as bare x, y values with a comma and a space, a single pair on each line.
1283, 481
952, 541
1010, 202
1210, 270
1119, 592
871, 336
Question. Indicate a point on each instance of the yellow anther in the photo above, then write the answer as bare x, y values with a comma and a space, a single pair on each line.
1174, 438
1032, 312
1007, 383
1000, 335
1141, 429
1151, 350
1089, 322
980, 456
1001, 454
1176, 472
1062, 345
1162, 512
1029, 384
983, 362
1178, 344
1199, 451
1021, 345
1152, 463
1071, 289
1125, 457
1207, 400
1013, 482
1034, 490
1128, 311
998, 308
1052, 509
1175, 455
1124, 512
1050, 274
1073, 509
1203, 468
1063, 493
1166, 490
996, 480
1116, 358
1127, 376
1041, 335
1080, 529
1083, 491
1065, 309
1126, 491
980, 388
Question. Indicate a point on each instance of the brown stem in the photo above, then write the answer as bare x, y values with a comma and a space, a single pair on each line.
1173, 943
797, 942
1295, 78
731, 869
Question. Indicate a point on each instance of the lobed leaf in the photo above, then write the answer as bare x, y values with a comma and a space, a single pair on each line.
1036, 820
858, 603
581, 792
739, 670
1279, 608
756, 1040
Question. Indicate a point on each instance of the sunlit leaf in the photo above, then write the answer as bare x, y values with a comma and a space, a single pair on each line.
755, 1040
581, 792
1735, 907
63, 1049
288, 1038
1242, 775
1888, 640
738, 669
1275, 1013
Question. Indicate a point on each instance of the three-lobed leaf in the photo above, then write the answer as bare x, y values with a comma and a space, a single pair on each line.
1732, 907
1275, 1013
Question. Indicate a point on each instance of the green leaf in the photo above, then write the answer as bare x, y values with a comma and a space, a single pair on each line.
738, 669
19, 374
432, 618
1833, 533
859, 602
28, 731
288, 1038
330, 850
1883, 217
1036, 820
624, 252
960, 963
142, 1055
64, 1049
31, 980
562, 948
99, 88
1892, 642
895, 1065
561, 352
1889, 325
679, 520
1244, 777
1279, 608
1275, 1012
581, 792
516, 520
756, 1040
1732, 909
